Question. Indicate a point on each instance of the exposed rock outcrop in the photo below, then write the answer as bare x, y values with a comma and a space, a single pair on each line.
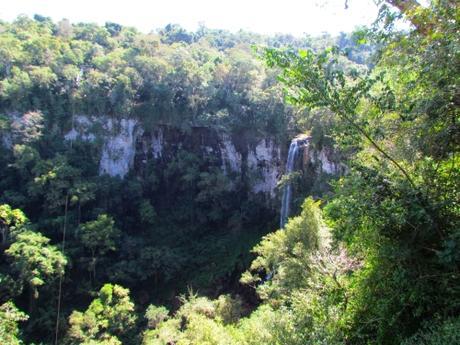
118, 138
125, 144
322, 160
119, 148
265, 159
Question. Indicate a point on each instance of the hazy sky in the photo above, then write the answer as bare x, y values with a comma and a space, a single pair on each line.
263, 16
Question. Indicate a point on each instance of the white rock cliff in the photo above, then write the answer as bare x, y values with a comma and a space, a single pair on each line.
118, 138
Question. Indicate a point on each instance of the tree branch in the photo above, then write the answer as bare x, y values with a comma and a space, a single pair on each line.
376, 146
408, 9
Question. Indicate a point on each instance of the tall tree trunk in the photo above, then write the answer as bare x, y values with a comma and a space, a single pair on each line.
93, 264
33, 296
4, 233
79, 213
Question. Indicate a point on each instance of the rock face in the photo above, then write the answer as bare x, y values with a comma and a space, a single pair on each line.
260, 163
265, 159
322, 160
119, 149
231, 158
83, 128
118, 139
125, 145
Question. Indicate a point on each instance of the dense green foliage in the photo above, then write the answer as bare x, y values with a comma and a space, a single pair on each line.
185, 79
173, 223
376, 261
397, 209
9, 318
108, 316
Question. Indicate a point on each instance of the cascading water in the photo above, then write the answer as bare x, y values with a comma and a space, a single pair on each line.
287, 191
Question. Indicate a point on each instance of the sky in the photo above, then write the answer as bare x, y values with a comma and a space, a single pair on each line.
263, 16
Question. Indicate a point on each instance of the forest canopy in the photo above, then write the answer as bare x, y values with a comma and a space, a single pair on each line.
163, 255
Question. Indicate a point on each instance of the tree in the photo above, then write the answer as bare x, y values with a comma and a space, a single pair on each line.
397, 208
64, 29
113, 28
100, 236
147, 213
284, 255
175, 33
16, 89
155, 315
108, 318
81, 193
9, 318
36, 262
10, 54
12, 222
55, 180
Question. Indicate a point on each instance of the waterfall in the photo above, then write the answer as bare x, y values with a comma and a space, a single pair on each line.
287, 190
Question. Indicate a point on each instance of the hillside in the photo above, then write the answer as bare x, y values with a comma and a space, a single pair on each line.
143, 178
